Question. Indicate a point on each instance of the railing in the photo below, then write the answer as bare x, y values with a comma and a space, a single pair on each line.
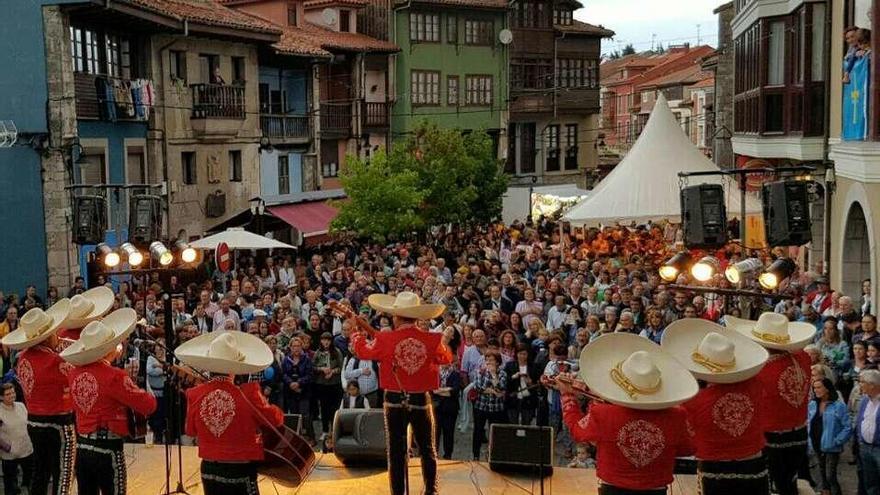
336, 117
217, 101
285, 126
375, 114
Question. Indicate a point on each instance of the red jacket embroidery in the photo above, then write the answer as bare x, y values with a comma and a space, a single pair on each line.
102, 396
43, 377
407, 352
785, 381
726, 420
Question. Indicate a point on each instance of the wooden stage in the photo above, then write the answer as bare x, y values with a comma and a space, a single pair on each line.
146, 476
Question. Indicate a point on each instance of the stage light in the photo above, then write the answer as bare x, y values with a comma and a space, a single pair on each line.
682, 261
778, 271
187, 254
135, 257
108, 256
705, 269
737, 271
161, 253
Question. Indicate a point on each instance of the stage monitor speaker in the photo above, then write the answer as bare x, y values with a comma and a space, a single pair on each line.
89, 219
704, 216
144, 219
294, 422
521, 448
359, 436
787, 213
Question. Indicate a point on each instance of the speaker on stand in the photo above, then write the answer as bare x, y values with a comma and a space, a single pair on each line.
786, 207
144, 219
704, 216
89, 219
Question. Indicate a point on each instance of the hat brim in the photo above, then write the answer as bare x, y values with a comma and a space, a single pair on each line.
385, 304
257, 354
682, 337
800, 334
122, 322
102, 300
18, 339
602, 355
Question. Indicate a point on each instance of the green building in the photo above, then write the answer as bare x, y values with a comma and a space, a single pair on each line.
452, 66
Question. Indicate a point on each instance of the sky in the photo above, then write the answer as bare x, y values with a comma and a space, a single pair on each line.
635, 21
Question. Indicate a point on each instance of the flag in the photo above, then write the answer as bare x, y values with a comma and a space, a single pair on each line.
855, 101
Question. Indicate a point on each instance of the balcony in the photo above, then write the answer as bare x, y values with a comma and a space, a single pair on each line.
110, 98
336, 119
286, 127
217, 109
376, 115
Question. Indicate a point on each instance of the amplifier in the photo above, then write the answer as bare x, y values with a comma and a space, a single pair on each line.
520, 447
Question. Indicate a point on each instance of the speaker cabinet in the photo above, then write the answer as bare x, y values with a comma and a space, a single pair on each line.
144, 219
787, 213
704, 216
359, 436
519, 447
89, 219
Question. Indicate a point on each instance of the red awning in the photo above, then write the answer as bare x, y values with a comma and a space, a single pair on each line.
311, 219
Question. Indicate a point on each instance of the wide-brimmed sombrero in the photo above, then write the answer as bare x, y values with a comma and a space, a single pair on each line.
232, 352
774, 331
37, 325
406, 305
88, 307
711, 352
632, 371
100, 337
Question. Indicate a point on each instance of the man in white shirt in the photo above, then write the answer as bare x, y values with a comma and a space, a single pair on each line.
557, 314
868, 430
362, 371
310, 304
225, 313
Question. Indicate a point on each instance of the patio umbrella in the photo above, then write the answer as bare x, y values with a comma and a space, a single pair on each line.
238, 238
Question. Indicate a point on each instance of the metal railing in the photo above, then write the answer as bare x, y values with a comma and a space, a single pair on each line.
217, 101
336, 117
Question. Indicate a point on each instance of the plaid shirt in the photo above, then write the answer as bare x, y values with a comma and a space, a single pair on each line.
488, 402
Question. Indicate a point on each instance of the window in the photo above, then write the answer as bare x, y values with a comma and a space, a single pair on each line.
552, 148
135, 165
531, 73
85, 50
529, 14
424, 28
562, 17
291, 15
235, 165
177, 65
776, 54
92, 166
238, 70
344, 20
283, 175
478, 90
571, 73
571, 146
527, 148
188, 164
118, 56
425, 87
208, 64
818, 42
452, 90
478, 32
452, 29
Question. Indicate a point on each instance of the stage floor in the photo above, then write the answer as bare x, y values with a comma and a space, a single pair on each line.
146, 476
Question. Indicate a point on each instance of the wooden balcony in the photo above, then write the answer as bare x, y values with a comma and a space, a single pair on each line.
291, 128
376, 115
217, 101
336, 119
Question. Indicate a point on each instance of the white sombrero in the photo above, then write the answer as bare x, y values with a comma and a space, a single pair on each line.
37, 325
774, 331
232, 352
88, 307
405, 304
100, 337
711, 352
632, 371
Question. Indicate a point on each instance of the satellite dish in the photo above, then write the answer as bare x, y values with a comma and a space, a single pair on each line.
505, 36
329, 16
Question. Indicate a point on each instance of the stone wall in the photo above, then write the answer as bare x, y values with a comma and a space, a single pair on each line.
723, 153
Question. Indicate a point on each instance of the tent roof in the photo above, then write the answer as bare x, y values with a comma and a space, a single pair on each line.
645, 185
238, 238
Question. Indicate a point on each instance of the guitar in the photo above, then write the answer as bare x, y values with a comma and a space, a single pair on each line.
347, 313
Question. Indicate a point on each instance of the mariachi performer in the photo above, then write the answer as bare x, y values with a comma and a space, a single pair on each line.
409, 360
84, 309
639, 428
785, 381
102, 395
726, 415
226, 418
42, 375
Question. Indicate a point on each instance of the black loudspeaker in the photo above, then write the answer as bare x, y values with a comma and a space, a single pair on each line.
359, 436
704, 216
521, 448
89, 219
144, 219
787, 213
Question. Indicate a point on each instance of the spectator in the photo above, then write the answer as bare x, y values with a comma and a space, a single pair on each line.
297, 378
530, 308
15, 444
868, 331
835, 351
829, 429
490, 386
156, 386
327, 369
446, 406
11, 321
79, 286
865, 303
353, 398
522, 396
867, 426
364, 372
224, 314
583, 457
654, 329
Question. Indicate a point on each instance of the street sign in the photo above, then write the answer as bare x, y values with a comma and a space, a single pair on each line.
222, 257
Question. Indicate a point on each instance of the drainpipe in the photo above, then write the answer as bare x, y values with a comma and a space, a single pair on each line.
165, 131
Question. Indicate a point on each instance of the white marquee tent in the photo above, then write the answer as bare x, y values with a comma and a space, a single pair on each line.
645, 185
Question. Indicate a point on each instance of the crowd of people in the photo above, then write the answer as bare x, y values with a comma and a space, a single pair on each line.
522, 301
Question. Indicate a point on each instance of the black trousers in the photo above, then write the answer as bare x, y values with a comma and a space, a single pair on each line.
786, 451
419, 414
328, 397
519, 415
747, 476
613, 490
11, 485
100, 467
54, 440
483, 420
228, 478
445, 431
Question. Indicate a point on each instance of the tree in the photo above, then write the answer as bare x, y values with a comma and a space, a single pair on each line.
443, 175
628, 50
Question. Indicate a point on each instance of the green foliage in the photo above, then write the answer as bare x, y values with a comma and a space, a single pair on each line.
628, 50
433, 177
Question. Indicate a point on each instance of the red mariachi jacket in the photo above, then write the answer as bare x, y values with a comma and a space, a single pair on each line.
726, 420
227, 428
636, 449
785, 381
43, 377
102, 396
412, 354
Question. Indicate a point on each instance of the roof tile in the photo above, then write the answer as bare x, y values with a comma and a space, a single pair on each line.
479, 4
207, 12
315, 4
578, 27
